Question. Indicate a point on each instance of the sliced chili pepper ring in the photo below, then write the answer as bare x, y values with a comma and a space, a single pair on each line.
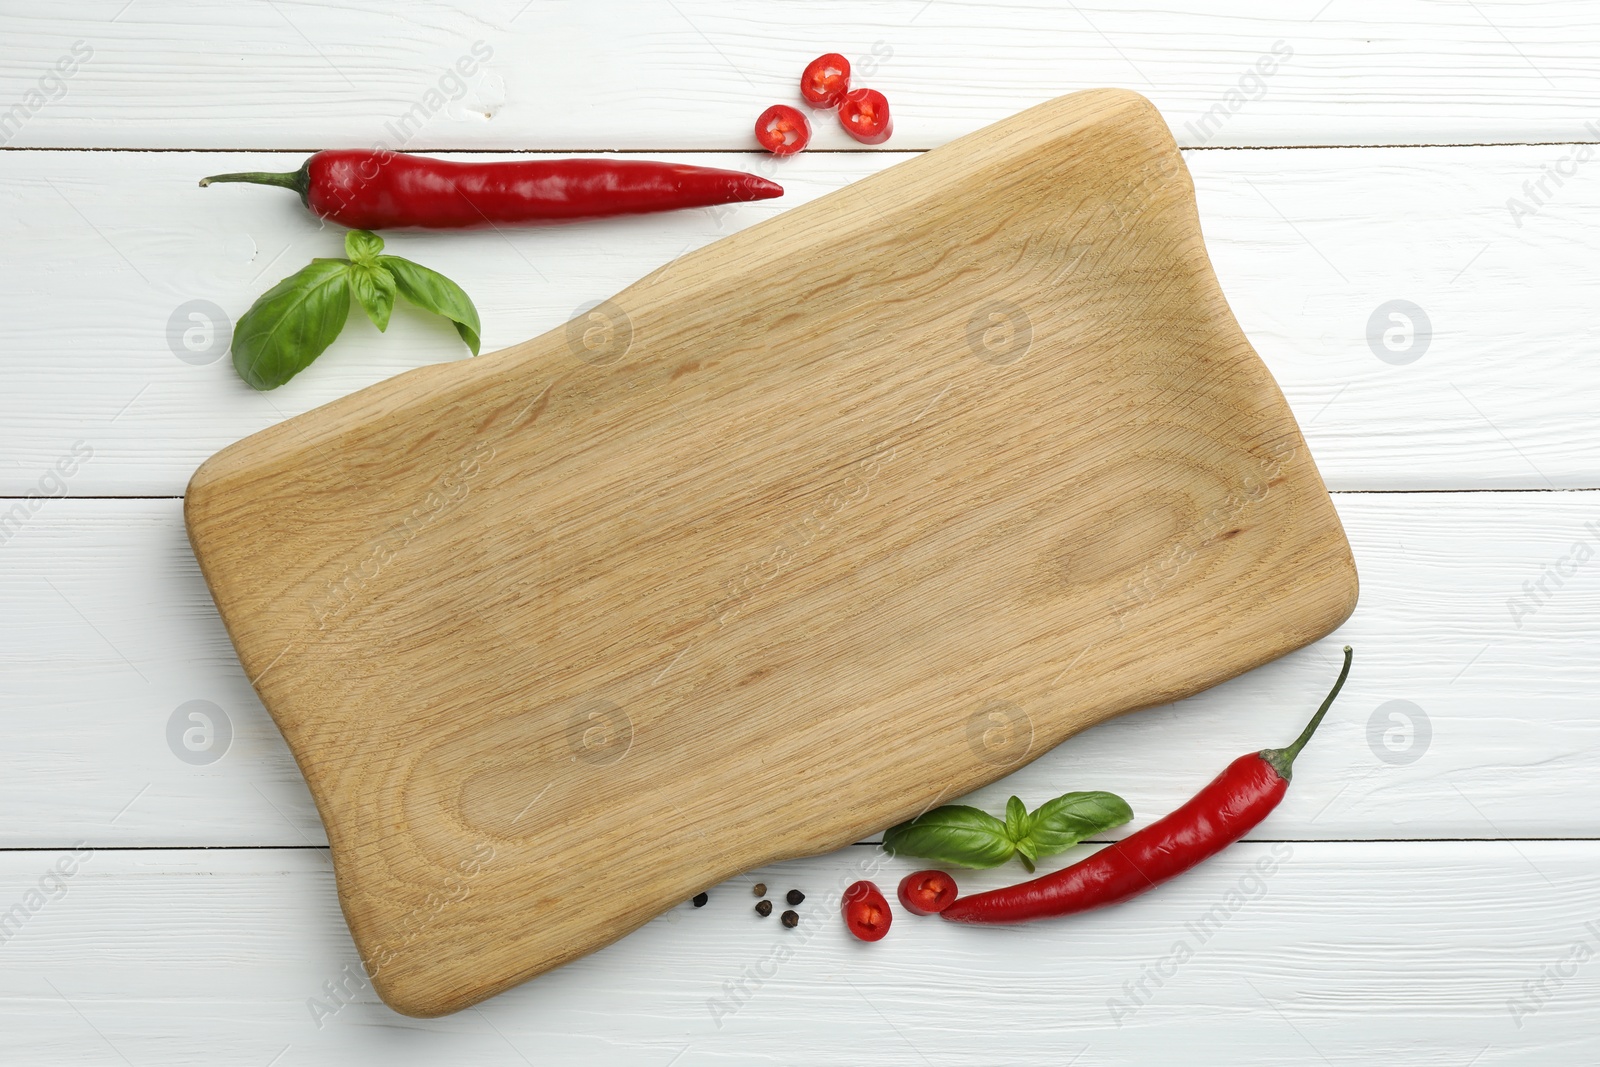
826, 80
783, 130
927, 892
866, 913
864, 114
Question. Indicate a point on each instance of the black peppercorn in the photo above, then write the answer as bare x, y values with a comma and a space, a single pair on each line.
795, 896
791, 919
759, 889
764, 908
700, 900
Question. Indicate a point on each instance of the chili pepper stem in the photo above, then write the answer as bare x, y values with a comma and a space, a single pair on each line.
1282, 759
297, 180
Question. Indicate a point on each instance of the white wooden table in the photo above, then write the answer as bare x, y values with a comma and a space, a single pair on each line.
1434, 871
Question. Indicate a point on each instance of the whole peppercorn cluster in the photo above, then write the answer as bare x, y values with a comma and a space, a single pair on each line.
790, 918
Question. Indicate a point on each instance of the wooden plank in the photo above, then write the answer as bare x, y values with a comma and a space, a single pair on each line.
1506, 705
1347, 953
695, 74
117, 651
108, 249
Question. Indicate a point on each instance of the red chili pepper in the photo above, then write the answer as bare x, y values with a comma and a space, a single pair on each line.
782, 130
1221, 813
367, 190
864, 114
927, 892
866, 913
826, 80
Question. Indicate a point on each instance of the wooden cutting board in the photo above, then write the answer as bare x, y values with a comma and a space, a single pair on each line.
838, 518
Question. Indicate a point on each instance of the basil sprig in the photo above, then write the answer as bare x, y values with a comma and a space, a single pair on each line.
964, 836
296, 320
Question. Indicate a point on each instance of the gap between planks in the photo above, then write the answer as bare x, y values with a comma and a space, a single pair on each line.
876, 844
755, 150
1332, 492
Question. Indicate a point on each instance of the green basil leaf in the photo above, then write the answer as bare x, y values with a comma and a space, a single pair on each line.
362, 246
1026, 853
292, 324
1017, 820
374, 289
1061, 823
432, 291
955, 834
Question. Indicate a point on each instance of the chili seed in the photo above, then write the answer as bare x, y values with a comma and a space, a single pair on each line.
791, 919
795, 896
759, 889
764, 908
700, 899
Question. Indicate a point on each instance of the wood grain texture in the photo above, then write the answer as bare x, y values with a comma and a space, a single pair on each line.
110, 631
565, 74
970, 455
1500, 398
1353, 954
